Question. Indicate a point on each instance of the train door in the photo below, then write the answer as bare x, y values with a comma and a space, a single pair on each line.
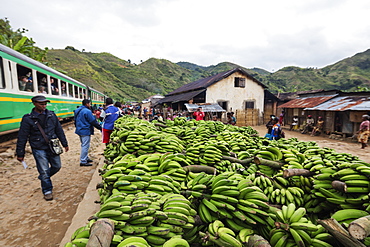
8, 98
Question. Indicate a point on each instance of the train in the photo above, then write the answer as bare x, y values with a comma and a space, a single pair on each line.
22, 78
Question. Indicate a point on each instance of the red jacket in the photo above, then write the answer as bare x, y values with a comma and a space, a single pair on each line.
199, 115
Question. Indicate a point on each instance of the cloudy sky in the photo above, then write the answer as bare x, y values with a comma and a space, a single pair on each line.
268, 34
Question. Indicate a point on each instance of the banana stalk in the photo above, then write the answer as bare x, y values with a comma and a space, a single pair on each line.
270, 163
360, 228
339, 233
101, 233
287, 173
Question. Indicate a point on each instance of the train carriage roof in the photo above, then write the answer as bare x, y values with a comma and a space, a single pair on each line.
29, 60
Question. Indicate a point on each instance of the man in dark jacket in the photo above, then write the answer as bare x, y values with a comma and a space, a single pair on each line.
85, 123
29, 131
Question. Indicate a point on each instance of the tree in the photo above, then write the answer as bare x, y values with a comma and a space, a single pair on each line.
70, 48
17, 41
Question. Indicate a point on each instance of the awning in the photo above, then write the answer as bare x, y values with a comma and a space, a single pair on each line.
344, 103
306, 102
180, 97
205, 107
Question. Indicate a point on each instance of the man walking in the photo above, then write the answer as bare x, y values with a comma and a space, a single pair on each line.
109, 115
30, 131
85, 123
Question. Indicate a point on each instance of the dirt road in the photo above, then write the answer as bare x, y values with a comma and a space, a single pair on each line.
353, 148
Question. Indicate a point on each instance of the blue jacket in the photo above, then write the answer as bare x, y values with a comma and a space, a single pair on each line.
110, 116
85, 121
29, 131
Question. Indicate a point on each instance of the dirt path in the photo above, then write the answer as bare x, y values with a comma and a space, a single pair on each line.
323, 141
27, 220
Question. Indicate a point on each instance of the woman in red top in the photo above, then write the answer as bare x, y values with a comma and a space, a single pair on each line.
199, 115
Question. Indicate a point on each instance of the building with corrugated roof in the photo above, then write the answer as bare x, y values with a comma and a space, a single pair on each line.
341, 111
234, 90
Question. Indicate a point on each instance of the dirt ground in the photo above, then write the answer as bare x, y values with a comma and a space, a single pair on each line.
27, 220
353, 148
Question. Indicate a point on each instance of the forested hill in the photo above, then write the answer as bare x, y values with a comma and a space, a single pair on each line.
126, 81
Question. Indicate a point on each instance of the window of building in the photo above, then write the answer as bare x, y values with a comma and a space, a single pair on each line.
2, 81
42, 83
249, 105
24, 75
239, 82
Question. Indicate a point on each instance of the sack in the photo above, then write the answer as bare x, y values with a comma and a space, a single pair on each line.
55, 146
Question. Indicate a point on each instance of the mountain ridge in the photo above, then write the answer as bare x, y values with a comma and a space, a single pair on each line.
125, 81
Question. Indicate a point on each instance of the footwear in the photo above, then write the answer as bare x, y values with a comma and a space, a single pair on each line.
48, 197
89, 160
87, 164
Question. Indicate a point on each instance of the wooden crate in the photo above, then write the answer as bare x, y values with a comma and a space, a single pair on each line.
249, 117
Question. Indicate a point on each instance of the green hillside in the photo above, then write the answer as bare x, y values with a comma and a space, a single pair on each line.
126, 82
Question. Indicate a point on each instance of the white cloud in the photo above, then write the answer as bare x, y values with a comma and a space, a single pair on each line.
268, 34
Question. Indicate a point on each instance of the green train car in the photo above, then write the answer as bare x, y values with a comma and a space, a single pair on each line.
21, 78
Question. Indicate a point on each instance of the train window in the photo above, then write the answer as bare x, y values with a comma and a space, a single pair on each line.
24, 75
75, 92
54, 86
70, 90
84, 93
42, 83
2, 81
63, 88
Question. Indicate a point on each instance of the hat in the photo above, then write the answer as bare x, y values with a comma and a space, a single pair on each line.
39, 98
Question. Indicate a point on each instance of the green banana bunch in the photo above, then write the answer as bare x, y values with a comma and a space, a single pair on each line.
134, 241
220, 235
348, 215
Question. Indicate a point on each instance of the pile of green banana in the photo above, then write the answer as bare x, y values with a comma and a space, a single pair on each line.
228, 196
155, 201
153, 217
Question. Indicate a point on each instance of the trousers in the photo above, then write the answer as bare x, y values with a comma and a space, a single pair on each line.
47, 165
85, 145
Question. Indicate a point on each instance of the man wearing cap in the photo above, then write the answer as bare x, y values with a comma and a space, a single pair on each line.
29, 131
85, 123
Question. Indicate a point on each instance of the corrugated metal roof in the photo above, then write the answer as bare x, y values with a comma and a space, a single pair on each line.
205, 107
206, 82
306, 102
180, 97
344, 103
